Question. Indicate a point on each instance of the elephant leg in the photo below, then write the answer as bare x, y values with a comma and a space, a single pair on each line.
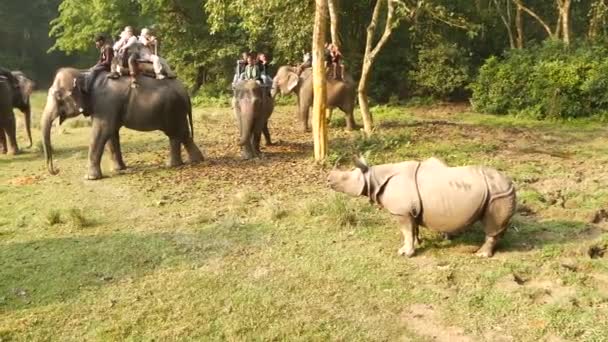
350, 117
175, 152
194, 154
304, 107
3, 147
11, 132
257, 137
114, 147
304, 113
267, 135
99, 137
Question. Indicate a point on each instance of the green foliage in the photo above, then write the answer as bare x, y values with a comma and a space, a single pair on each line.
545, 81
442, 69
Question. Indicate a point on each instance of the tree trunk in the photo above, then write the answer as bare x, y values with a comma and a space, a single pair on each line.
370, 56
531, 13
319, 123
519, 25
506, 20
334, 18
564, 12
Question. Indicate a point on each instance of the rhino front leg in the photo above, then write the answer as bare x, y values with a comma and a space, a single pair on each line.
409, 229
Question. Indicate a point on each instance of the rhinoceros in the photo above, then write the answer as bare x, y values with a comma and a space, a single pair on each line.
431, 194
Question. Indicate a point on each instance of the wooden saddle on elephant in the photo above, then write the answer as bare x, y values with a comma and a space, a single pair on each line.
144, 68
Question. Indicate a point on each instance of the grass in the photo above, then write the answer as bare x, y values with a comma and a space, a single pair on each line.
262, 250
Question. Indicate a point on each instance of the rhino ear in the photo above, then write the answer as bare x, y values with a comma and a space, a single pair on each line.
361, 164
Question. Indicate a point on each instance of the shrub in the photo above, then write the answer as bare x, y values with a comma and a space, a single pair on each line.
442, 70
544, 81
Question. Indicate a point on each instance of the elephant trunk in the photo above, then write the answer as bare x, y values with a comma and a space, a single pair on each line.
47, 121
247, 113
28, 122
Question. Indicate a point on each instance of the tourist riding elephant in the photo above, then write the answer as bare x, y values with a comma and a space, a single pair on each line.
340, 93
252, 108
154, 105
7, 119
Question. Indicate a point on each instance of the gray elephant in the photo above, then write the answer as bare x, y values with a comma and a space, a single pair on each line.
21, 101
154, 105
252, 108
7, 119
434, 195
26, 86
340, 93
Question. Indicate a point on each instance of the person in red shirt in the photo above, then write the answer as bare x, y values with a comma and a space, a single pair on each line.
106, 54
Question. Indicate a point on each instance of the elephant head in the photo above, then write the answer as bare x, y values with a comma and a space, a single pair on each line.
27, 87
62, 102
286, 80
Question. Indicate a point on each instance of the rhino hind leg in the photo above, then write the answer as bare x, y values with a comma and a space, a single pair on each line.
495, 221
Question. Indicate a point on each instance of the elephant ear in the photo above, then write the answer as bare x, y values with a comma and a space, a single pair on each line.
292, 81
79, 83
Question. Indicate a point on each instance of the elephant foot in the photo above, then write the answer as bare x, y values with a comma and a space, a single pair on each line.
120, 167
175, 163
13, 152
247, 156
351, 128
270, 143
93, 175
196, 157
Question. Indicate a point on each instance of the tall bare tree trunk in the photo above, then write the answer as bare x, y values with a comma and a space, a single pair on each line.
564, 13
319, 123
506, 20
520, 6
519, 26
334, 18
370, 56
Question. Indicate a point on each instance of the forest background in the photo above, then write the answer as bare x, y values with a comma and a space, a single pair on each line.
533, 57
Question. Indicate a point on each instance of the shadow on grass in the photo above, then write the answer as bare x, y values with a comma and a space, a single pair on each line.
49, 271
523, 235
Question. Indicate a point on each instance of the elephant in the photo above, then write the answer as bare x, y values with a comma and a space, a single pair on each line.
7, 119
27, 87
111, 103
252, 108
340, 93
22, 102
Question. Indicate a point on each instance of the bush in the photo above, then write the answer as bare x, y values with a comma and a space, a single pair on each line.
546, 81
442, 70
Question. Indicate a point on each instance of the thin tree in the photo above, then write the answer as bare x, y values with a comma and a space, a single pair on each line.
319, 122
371, 52
334, 19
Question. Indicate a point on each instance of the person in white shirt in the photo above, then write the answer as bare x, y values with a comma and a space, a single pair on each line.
148, 53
